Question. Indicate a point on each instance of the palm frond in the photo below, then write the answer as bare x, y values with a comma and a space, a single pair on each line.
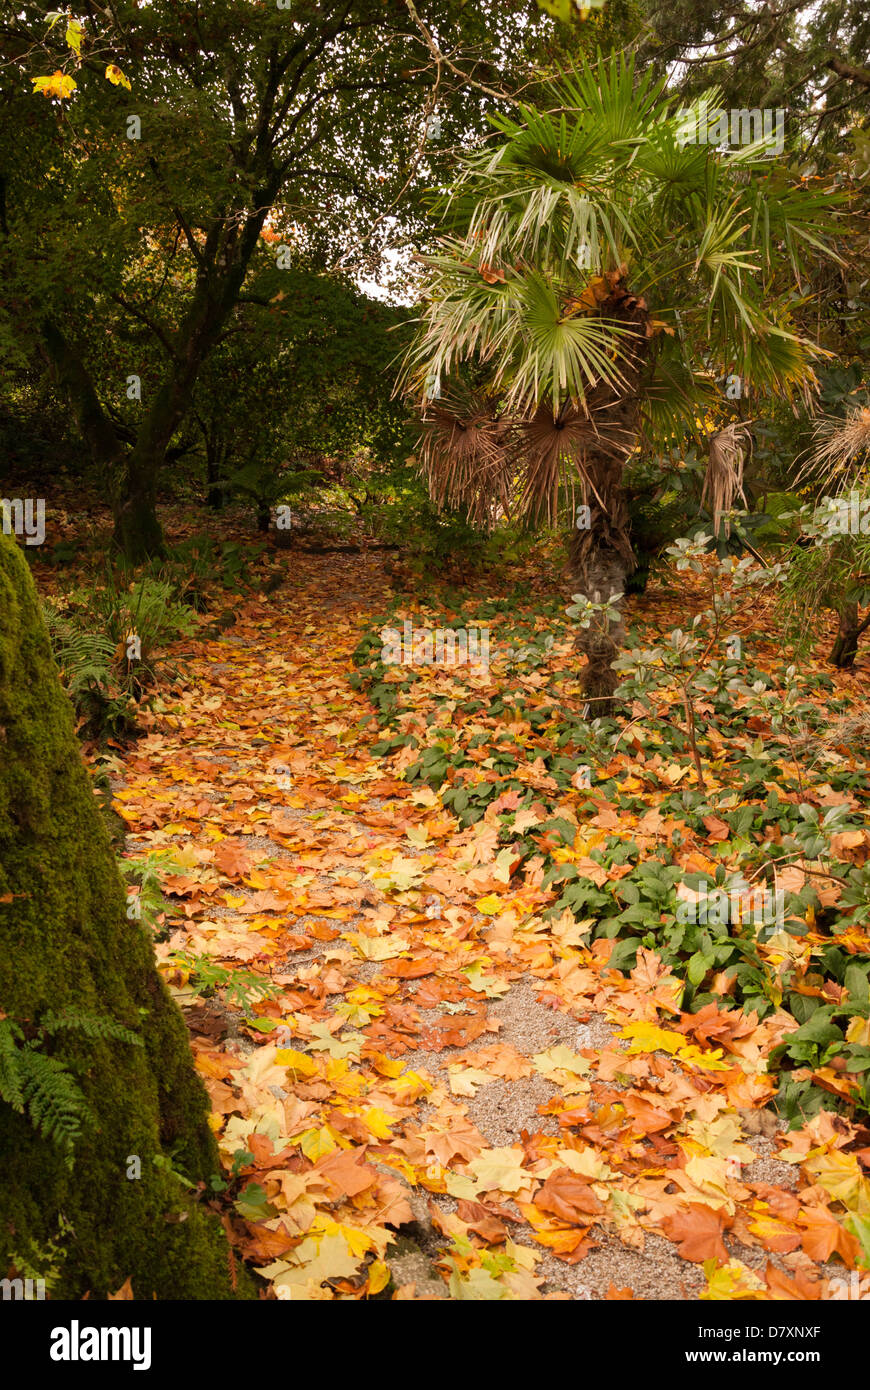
841, 451
723, 482
567, 353
465, 454
551, 452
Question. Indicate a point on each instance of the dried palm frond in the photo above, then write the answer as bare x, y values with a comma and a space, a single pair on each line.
553, 456
841, 454
723, 481
465, 455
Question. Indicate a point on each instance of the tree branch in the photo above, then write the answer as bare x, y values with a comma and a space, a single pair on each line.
850, 70
140, 314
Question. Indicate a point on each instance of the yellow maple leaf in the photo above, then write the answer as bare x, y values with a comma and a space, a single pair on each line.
500, 1169
256, 880
299, 1062
560, 1058
315, 1143
587, 1162
377, 1122
488, 905
465, 1080
387, 1066
379, 1277
698, 1057
116, 77
859, 1032
709, 1175
840, 1175
317, 1258
647, 1037
376, 947
358, 1241
460, 1186
562, 856
731, 1281
58, 85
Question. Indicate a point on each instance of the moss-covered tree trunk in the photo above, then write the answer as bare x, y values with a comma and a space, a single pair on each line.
80, 1216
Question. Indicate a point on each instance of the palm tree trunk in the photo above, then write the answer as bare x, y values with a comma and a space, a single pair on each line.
845, 648
602, 559
601, 554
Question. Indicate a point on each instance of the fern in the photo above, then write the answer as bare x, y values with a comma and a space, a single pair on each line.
55, 1104
88, 670
41, 1086
10, 1073
92, 1025
84, 658
148, 871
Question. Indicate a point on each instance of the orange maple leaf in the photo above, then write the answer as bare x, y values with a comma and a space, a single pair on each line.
698, 1233
824, 1236
567, 1195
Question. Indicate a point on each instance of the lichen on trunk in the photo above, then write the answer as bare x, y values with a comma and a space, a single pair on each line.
68, 950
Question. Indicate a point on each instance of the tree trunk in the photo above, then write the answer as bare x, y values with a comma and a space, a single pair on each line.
601, 559
86, 1211
601, 555
138, 533
137, 528
130, 477
845, 648
215, 497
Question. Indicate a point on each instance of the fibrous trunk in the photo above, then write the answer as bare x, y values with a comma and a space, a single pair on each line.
849, 630
600, 553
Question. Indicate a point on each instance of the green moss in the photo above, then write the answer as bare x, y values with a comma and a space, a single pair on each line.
115, 824
66, 943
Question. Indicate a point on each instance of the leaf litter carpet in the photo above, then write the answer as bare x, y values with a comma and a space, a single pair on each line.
447, 1095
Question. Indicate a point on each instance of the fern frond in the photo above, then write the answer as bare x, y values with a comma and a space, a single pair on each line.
10, 1070
55, 1104
92, 1025
84, 658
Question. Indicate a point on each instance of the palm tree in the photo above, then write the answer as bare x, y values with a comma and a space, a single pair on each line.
599, 273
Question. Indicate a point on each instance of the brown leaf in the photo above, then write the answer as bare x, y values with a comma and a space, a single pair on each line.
567, 1195
717, 828
347, 1172
482, 1222
800, 1288
824, 1236
698, 1233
